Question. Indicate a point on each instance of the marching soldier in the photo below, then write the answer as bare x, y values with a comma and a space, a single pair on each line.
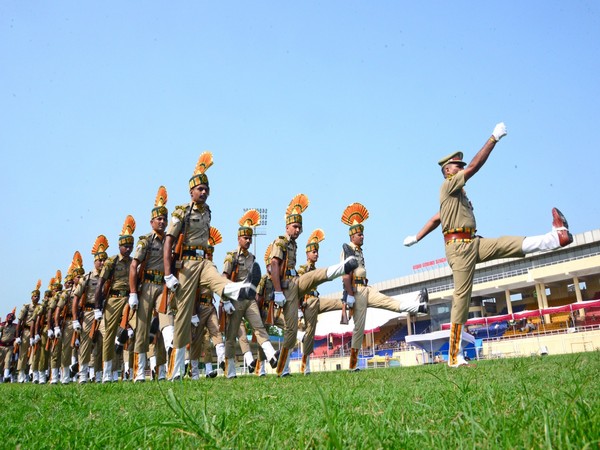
54, 343
238, 265
63, 317
312, 305
83, 314
8, 331
41, 360
264, 298
288, 286
189, 229
23, 333
83, 310
146, 280
34, 342
205, 318
359, 295
115, 273
464, 249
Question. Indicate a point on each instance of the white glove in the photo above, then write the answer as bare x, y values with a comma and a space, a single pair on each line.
129, 333
31, 342
499, 131
57, 332
300, 314
97, 314
228, 307
350, 300
410, 240
18, 341
50, 333
171, 282
76, 325
279, 298
133, 300
195, 320
36, 339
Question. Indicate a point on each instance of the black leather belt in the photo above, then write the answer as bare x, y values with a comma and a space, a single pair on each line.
361, 281
119, 293
193, 254
154, 277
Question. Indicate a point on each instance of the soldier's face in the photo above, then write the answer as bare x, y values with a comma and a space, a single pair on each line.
244, 242
452, 169
200, 193
125, 250
35, 299
312, 256
357, 239
159, 223
294, 230
99, 264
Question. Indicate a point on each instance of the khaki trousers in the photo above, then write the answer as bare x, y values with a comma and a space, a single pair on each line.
314, 307
148, 295
23, 347
366, 297
67, 350
6, 354
113, 311
85, 343
296, 289
462, 258
248, 309
192, 275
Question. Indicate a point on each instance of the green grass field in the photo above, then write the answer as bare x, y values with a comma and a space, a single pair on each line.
537, 402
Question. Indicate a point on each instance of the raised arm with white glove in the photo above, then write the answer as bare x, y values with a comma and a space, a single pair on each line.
410, 240
76, 325
499, 131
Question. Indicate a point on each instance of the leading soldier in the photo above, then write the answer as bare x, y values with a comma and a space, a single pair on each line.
464, 249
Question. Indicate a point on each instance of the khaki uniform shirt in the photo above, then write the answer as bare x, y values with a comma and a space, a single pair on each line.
66, 299
150, 249
284, 248
8, 332
26, 314
87, 285
121, 272
240, 261
197, 225
456, 210
361, 270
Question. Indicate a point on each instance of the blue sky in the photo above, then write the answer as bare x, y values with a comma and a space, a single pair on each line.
343, 100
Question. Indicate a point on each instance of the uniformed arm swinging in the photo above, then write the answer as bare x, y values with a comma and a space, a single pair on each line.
279, 298
171, 281
133, 283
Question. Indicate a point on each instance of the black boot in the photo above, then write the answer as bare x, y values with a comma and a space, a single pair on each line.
424, 301
253, 278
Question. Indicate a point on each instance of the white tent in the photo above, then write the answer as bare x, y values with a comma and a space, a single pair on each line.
433, 342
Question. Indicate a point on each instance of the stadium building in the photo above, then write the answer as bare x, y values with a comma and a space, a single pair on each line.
543, 303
